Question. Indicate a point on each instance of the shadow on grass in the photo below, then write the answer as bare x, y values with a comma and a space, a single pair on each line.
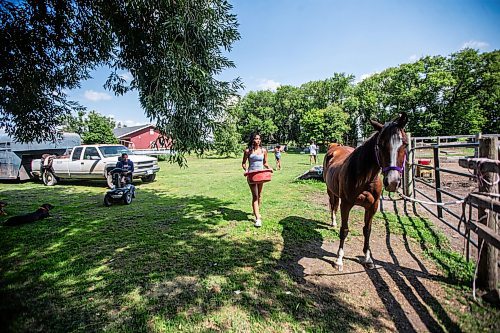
163, 263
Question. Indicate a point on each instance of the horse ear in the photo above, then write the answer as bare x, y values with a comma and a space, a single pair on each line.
376, 125
402, 120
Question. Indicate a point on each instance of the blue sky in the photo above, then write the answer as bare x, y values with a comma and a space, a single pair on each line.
296, 41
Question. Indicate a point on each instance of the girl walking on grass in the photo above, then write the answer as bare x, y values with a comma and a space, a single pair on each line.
256, 156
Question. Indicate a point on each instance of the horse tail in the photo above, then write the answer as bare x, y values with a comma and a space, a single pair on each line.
327, 159
326, 162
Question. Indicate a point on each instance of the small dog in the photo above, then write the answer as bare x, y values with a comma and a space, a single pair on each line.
39, 214
2, 206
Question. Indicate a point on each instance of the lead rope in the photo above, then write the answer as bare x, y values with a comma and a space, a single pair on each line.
456, 202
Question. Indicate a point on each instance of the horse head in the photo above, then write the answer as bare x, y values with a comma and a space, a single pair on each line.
390, 150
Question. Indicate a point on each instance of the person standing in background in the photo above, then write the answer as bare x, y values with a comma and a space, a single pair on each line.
313, 152
277, 156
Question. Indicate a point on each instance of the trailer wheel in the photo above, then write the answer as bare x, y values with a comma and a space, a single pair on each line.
49, 178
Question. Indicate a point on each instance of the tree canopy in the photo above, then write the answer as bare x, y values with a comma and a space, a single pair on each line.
174, 49
457, 94
92, 127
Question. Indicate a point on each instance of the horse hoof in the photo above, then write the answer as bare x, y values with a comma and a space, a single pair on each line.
340, 267
334, 224
369, 265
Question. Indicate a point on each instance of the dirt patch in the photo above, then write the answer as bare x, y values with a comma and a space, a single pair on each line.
403, 293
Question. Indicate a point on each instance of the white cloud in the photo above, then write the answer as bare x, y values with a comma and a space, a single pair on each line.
95, 96
413, 58
266, 84
132, 123
364, 76
475, 44
126, 76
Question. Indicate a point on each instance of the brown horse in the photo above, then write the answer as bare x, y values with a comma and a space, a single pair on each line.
352, 177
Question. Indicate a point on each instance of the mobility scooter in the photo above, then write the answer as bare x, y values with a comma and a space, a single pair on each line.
122, 191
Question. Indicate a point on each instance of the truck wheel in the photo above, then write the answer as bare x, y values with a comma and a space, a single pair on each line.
127, 199
148, 178
49, 178
107, 201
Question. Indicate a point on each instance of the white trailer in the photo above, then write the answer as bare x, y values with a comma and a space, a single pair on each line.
16, 157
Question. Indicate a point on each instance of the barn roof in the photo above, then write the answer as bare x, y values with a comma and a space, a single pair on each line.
126, 131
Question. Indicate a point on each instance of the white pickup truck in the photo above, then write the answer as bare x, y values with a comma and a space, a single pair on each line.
92, 162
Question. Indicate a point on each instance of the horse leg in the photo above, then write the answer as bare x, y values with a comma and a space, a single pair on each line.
369, 212
334, 206
344, 230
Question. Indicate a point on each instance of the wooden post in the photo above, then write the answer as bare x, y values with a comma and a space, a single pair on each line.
476, 152
414, 145
438, 178
408, 181
487, 275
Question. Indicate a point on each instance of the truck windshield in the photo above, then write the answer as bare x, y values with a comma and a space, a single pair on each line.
109, 151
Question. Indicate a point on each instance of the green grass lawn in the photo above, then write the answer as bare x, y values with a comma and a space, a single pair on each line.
184, 256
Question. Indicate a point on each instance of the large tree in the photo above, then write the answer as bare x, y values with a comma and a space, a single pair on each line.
92, 127
289, 105
442, 95
255, 112
174, 49
325, 125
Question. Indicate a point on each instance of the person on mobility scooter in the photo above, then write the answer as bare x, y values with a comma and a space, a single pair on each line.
126, 164
122, 176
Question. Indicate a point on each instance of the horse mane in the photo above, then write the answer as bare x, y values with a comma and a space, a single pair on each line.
362, 163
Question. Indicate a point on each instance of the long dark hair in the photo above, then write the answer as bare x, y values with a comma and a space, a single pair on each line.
250, 142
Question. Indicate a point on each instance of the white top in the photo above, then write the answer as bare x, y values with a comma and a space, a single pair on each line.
312, 149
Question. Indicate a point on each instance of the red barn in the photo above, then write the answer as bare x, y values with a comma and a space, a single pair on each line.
139, 137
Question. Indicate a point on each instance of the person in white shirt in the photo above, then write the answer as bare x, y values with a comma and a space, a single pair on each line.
313, 152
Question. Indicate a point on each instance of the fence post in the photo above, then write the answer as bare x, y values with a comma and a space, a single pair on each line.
413, 173
487, 274
476, 151
438, 177
408, 181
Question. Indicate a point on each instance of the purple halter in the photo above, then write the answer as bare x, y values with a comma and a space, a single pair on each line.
388, 168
